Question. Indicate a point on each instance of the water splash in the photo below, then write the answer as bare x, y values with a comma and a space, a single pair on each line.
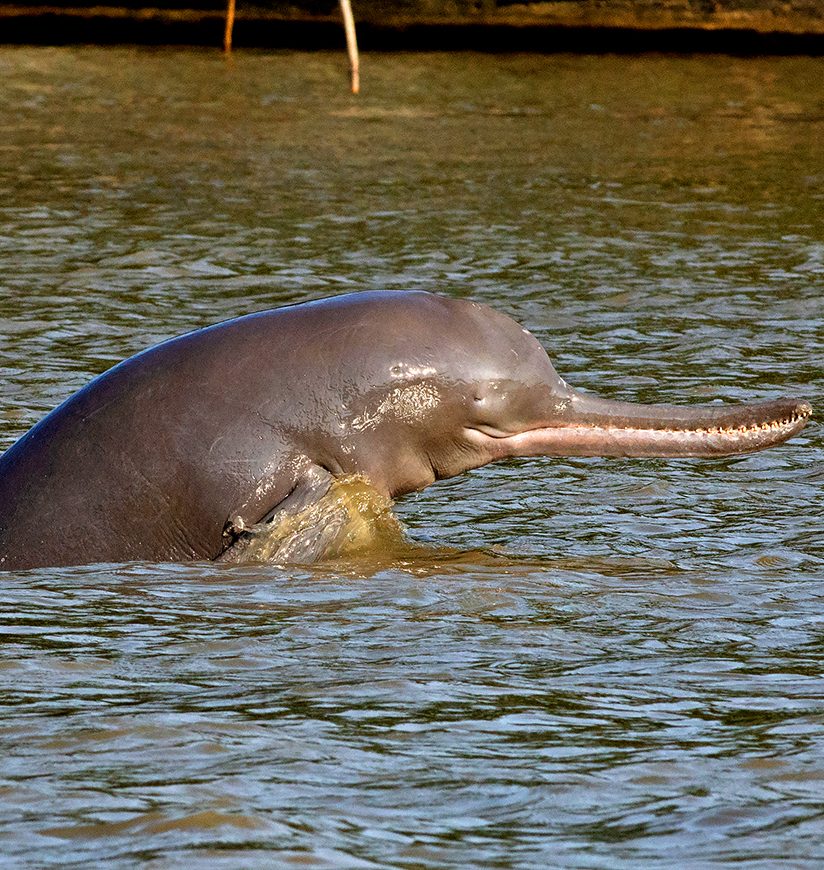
352, 519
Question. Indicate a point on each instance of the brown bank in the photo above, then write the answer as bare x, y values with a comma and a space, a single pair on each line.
733, 26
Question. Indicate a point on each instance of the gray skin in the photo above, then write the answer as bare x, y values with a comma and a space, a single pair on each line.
172, 454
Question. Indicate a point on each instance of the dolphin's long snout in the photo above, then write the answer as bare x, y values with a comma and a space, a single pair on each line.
590, 426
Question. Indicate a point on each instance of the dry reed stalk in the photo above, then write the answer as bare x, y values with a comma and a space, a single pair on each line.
351, 43
230, 24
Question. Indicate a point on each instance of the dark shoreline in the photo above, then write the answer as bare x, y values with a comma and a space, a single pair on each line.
54, 25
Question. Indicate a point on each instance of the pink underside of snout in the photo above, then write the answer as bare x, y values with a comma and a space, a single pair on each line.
623, 441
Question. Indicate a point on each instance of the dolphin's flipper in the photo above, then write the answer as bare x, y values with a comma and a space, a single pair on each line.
253, 517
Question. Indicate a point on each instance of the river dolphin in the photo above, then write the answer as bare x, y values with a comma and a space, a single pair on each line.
173, 454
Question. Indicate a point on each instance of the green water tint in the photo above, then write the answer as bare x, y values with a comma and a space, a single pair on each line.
351, 520
353, 530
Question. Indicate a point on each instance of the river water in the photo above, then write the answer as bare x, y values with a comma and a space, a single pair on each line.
591, 663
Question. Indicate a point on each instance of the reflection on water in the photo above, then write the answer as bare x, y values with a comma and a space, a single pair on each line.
588, 662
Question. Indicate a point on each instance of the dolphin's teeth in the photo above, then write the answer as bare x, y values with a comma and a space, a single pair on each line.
740, 430
732, 431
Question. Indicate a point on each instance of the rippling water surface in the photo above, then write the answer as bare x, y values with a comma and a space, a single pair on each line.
599, 663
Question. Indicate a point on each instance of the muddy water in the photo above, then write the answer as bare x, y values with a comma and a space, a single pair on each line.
596, 663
